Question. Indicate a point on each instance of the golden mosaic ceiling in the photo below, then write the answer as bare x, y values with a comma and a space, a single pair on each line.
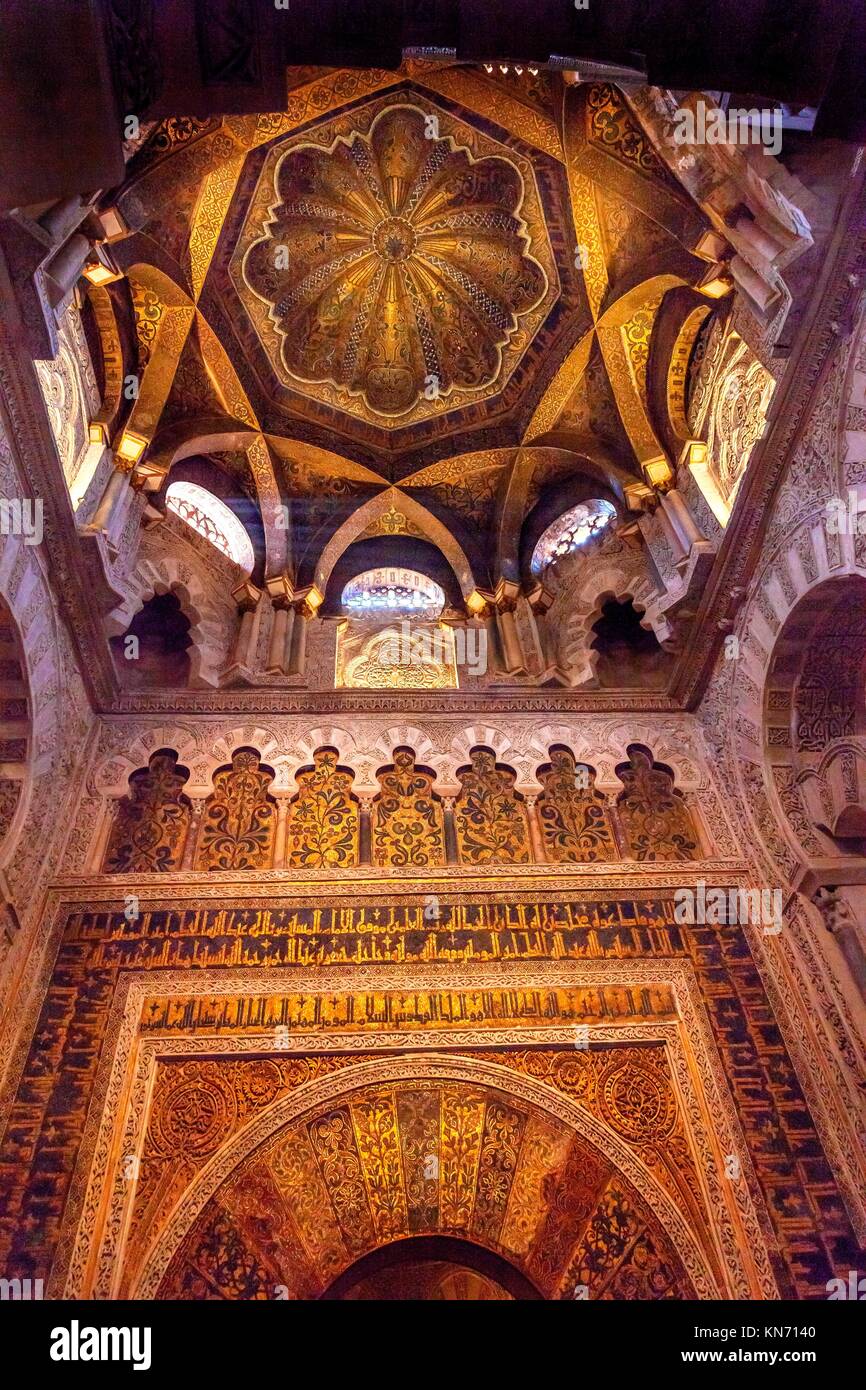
404, 271
395, 265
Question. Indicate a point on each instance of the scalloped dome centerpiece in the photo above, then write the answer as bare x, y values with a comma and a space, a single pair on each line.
396, 267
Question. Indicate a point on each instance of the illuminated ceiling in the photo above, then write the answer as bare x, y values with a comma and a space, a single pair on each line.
443, 279
394, 268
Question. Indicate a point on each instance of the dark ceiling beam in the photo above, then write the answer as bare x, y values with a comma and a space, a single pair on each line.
72, 73
60, 127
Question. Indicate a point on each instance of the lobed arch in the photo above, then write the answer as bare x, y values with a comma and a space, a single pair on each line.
210, 627
489, 788
203, 753
40, 714
814, 712
407, 736
619, 578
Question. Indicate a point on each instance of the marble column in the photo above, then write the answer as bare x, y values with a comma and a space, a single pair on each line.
283, 803
112, 504
298, 658
282, 624
188, 858
247, 598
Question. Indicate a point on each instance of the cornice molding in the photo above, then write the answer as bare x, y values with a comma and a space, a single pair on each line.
626, 880
278, 700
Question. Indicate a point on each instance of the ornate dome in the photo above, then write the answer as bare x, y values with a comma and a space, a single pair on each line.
395, 265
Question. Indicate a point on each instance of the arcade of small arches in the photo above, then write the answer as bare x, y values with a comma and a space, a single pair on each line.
595, 621
242, 824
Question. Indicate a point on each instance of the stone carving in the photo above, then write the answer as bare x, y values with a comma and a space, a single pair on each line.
729, 407
656, 822
575, 826
323, 822
420, 657
350, 1177
830, 690
489, 815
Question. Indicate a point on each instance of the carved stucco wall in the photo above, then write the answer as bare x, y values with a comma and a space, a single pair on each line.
811, 990
71, 394
61, 726
367, 741
581, 582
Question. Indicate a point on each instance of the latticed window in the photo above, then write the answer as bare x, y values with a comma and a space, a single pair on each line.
571, 531
212, 519
392, 590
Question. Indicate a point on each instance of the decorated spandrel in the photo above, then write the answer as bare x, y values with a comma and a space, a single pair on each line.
490, 817
655, 820
323, 825
400, 1159
151, 824
573, 816
407, 819
237, 830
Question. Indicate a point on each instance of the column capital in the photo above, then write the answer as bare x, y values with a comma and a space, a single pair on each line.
148, 475
307, 601
833, 908
539, 597
246, 595
479, 603
281, 590
506, 594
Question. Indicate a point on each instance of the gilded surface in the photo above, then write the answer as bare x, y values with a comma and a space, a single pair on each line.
489, 816
655, 820
408, 261
481, 1165
237, 829
151, 824
394, 658
574, 820
323, 816
199, 1106
408, 825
